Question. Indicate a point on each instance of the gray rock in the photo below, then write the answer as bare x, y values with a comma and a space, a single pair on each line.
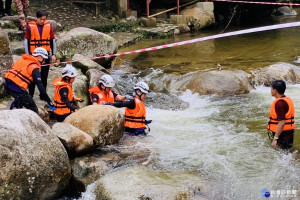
6, 24
75, 140
103, 123
34, 163
6, 59
222, 83
91, 167
279, 71
200, 15
85, 63
88, 43
94, 76
80, 88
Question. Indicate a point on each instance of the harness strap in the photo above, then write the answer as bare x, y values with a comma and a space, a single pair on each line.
21, 76
128, 120
131, 117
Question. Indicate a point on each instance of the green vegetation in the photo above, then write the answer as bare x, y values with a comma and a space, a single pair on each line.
130, 27
116, 27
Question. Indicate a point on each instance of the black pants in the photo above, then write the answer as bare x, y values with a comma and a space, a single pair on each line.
7, 6
135, 131
44, 77
286, 139
24, 99
61, 118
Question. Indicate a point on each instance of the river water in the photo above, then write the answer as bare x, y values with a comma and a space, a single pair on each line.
224, 139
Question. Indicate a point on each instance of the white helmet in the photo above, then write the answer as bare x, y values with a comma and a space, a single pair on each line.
107, 81
143, 87
40, 51
69, 71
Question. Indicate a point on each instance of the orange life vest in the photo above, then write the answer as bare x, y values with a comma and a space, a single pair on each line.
289, 116
61, 107
21, 71
36, 40
135, 118
103, 97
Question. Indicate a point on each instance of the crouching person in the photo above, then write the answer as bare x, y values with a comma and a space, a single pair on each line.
135, 110
24, 72
102, 93
64, 100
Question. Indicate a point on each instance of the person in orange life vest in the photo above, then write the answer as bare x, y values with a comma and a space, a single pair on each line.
282, 113
25, 71
135, 110
63, 94
102, 93
39, 33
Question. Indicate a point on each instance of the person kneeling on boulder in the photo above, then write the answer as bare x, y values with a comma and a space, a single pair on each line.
63, 94
135, 110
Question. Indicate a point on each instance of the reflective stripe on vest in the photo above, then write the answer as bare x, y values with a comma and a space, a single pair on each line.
135, 118
21, 73
36, 40
103, 97
289, 116
61, 107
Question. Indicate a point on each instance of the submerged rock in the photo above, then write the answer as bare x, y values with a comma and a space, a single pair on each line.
140, 182
91, 167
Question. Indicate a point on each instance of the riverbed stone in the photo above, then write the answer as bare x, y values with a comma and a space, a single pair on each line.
139, 182
34, 163
279, 71
221, 83
87, 42
103, 123
93, 165
74, 140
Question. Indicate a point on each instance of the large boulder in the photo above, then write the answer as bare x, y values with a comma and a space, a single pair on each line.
279, 71
103, 123
141, 183
6, 59
199, 15
34, 163
94, 76
2, 90
222, 83
87, 42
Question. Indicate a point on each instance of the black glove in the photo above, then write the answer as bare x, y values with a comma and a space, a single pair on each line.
148, 121
109, 104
